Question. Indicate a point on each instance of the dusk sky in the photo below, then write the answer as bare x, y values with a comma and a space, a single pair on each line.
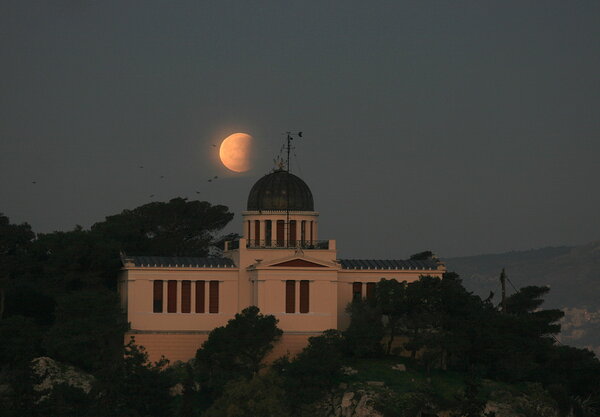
459, 127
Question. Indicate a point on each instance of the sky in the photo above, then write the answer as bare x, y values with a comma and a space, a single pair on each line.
461, 127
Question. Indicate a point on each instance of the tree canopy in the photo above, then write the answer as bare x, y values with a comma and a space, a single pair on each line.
236, 350
176, 228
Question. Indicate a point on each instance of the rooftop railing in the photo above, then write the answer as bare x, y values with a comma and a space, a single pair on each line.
287, 244
279, 244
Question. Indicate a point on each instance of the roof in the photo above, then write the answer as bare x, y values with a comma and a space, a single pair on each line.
388, 264
179, 262
280, 190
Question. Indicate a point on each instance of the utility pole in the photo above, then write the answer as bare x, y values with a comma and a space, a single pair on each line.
503, 283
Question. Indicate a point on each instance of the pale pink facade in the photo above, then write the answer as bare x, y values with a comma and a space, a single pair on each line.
173, 303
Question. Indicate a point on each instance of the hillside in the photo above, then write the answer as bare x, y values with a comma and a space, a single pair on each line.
572, 273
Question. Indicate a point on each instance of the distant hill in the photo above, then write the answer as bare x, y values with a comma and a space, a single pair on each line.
572, 273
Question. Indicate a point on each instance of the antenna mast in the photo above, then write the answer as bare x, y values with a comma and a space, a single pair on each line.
289, 138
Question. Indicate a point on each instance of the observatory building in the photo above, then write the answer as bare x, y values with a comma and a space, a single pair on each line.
279, 265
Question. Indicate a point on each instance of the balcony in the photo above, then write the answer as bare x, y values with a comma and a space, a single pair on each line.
280, 244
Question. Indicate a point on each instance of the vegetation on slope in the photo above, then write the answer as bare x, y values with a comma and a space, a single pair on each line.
58, 299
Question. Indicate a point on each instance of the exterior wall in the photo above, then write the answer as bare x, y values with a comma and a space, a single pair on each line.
322, 313
347, 277
183, 346
140, 295
246, 258
290, 344
172, 345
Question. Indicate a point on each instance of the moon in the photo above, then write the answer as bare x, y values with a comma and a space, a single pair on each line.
235, 152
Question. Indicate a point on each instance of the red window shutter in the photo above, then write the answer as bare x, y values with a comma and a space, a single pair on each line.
280, 233
304, 297
213, 297
292, 233
186, 296
172, 297
356, 291
370, 290
290, 296
157, 304
200, 296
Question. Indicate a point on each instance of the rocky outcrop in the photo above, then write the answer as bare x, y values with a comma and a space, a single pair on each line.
348, 402
52, 373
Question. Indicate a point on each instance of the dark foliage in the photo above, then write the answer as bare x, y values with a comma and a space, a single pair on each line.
132, 386
363, 336
422, 256
310, 375
258, 396
88, 331
235, 351
176, 228
57, 299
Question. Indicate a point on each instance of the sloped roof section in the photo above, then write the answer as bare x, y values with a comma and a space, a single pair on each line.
389, 264
178, 262
300, 263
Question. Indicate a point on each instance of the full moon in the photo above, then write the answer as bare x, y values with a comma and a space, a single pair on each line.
235, 152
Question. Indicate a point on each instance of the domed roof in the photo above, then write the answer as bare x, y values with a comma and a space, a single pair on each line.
280, 190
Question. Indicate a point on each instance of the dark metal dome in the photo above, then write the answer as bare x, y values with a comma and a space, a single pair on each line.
280, 190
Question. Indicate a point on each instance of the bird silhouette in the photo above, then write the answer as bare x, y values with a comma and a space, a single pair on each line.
162, 176
197, 192
34, 182
214, 146
151, 195
210, 180
141, 166
215, 177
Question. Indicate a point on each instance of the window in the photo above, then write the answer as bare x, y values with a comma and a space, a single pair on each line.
172, 297
370, 290
268, 231
257, 232
200, 291
304, 297
303, 232
290, 296
280, 233
186, 296
292, 236
213, 297
157, 298
356, 291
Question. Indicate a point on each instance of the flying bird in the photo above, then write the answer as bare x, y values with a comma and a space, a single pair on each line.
162, 176
215, 177
151, 195
34, 182
141, 166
